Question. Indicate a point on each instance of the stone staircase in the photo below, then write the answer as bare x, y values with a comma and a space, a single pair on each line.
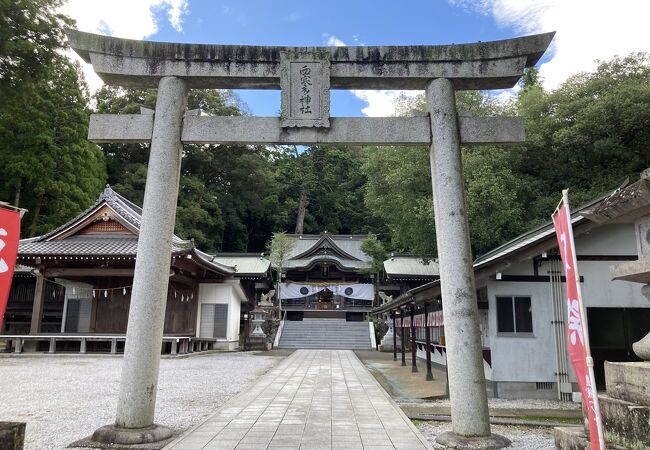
325, 333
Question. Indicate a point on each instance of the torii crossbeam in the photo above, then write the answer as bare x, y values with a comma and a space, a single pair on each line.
305, 75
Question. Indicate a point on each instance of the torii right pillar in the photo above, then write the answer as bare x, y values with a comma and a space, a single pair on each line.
469, 409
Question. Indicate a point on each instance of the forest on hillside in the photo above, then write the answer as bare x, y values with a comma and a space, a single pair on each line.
589, 135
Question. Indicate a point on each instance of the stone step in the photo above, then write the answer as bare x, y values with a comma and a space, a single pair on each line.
321, 332
323, 327
575, 438
320, 325
326, 347
324, 330
364, 342
362, 339
625, 419
309, 327
324, 334
628, 381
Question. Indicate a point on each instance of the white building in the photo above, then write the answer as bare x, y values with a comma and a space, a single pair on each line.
77, 292
522, 309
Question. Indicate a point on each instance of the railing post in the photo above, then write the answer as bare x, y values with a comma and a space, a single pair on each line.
403, 344
414, 348
427, 337
394, 337
52, 345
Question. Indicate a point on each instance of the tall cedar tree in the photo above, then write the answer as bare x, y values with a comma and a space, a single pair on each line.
47, 165
226, 200
332, 179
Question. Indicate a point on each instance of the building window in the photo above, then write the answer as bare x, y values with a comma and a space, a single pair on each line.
514, 315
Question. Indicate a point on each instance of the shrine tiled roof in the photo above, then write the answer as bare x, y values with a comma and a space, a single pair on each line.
245, 264
78, 245
342, 250
400, 266
627, 202
63, 242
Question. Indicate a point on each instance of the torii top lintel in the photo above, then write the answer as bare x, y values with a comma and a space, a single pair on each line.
141, 64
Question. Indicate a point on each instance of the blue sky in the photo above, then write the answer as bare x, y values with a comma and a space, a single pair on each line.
586, 30
299, 23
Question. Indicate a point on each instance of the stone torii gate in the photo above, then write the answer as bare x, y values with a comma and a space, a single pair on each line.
305, 75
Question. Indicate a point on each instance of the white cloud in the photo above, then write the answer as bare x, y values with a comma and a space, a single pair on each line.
177, 9
333, 41
131, 19
381, 103
587, 30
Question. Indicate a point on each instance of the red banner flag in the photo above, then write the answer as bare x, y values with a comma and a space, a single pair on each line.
577, 334
9, 236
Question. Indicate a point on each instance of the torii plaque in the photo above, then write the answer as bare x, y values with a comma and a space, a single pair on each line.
305, 84
175, 68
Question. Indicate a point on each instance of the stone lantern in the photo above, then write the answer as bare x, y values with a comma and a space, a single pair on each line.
257, 338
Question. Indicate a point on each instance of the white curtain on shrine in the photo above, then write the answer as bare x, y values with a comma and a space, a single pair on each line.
295, 290
357, 291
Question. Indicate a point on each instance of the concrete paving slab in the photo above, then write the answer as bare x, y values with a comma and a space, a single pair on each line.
319, 399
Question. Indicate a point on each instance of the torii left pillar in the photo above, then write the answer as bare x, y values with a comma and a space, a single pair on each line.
139, 385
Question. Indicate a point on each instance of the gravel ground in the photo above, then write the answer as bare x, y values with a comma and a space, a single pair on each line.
65, 398
501, 403
523, 438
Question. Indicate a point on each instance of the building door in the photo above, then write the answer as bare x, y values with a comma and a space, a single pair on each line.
612, 331
77, 316
214, 320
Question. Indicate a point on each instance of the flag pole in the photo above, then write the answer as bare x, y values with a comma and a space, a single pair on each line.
6, 205
585, 331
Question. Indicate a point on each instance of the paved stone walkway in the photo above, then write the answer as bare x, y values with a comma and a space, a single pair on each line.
314, 399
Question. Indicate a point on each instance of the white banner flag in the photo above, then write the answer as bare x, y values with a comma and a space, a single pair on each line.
358, 291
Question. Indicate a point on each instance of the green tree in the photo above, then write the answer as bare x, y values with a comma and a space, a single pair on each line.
330, 181
399, 186
588, 135
48, 165
226, 199
31, 35
374, 248
398, 192
279, 249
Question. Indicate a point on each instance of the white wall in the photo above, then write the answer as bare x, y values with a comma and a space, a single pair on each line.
532, 359
223, 293
616, 239
516, 358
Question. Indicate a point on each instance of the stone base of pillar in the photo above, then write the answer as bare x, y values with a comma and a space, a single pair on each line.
110, 436
387, 343
30, 346
452, 440
256, 343
571, 438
